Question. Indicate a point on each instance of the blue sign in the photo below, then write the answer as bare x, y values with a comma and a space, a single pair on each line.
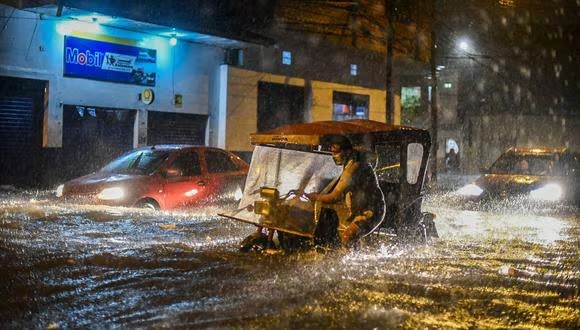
99, 60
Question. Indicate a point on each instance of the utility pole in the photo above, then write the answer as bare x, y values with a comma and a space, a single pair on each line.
434, 105
390, 106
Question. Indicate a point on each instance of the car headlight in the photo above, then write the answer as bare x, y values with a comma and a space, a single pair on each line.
549, 192
59, 190
470, 190
112, 193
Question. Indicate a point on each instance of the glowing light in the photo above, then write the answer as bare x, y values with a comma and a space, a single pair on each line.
470, 190
112, 193
173, 38
473, 226
523, 179
63, 28
549, 192
191, 193
238, 194
72, 26
464, 45
94, 18
59, 190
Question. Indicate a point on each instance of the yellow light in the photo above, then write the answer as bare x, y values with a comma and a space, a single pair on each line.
269, 193
262, 207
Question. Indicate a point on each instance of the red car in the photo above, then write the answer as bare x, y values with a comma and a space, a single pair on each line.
162, 177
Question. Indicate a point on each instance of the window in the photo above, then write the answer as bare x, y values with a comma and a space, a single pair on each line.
526, 165
354, 70
286, 57
412, 111
571, 164
219, 162
349, 106
414, 156
188, 163
389, 163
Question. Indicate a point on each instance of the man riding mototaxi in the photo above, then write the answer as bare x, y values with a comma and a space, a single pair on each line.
358, 188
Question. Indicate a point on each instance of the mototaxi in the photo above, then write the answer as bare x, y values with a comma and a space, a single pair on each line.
290, 160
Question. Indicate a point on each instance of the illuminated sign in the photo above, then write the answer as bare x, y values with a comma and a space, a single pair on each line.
147, 96
99, 60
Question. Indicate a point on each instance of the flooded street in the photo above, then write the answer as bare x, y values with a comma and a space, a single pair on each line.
67, 266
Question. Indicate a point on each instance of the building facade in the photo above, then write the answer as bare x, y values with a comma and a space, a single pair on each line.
76, 93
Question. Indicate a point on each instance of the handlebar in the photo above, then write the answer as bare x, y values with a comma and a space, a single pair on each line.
273, 194
294, 192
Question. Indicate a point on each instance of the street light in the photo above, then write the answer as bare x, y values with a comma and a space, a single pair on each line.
173, 41
463, 45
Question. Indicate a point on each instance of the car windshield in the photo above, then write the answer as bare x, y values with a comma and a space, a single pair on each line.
137, 162
526, 165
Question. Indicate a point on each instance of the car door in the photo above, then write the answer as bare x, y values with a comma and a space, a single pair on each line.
185, 183
225, 177
571, 171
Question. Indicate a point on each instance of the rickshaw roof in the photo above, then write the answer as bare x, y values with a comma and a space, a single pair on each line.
316, 133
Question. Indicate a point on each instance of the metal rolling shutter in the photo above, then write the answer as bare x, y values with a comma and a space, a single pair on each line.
93, 137
168, 127
16, 139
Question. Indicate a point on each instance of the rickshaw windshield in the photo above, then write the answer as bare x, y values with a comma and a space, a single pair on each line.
285, 170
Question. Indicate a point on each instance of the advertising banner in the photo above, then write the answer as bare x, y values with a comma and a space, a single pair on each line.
100, 60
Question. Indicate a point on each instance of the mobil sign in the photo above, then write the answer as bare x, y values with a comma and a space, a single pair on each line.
100, 60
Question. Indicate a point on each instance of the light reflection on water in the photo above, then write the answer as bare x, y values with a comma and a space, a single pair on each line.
472, 225
85, 266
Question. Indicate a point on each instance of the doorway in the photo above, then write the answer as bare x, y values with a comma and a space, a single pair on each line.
21, 114
279, 104
94, 136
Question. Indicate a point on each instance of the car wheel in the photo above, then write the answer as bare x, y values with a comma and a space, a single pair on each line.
148, 204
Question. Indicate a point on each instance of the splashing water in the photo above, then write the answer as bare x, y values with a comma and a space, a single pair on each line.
82, 266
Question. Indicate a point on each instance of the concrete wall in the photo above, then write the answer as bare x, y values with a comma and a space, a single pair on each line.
242, 96
31, 46
322, 100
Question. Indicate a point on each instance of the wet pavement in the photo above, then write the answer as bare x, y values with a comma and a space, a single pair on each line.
70, 266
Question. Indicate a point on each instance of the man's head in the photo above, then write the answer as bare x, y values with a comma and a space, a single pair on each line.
341, 149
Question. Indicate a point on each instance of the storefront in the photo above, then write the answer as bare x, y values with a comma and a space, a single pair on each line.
21, 111
106, 90
75, 94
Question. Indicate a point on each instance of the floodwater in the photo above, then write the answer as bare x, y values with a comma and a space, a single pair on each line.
68, 266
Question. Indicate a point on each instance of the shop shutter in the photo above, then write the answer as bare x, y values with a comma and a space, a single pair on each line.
180, 128
16, 139
94, 136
